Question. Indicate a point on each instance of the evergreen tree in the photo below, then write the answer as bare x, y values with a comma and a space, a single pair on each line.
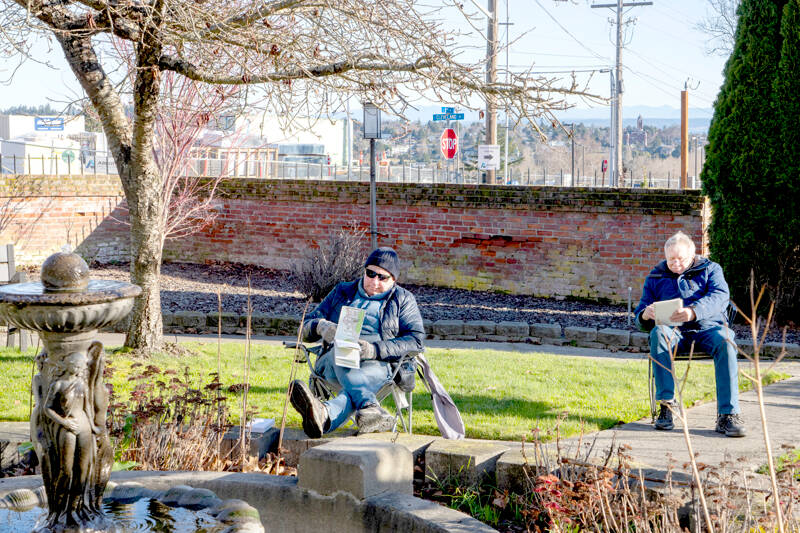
785, 234
744, 154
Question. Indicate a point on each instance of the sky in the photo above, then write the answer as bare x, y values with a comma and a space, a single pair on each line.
663, 50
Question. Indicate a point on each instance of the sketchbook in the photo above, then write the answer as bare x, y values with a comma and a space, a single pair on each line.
664, 310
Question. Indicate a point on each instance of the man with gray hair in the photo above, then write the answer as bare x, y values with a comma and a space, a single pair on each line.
703, 291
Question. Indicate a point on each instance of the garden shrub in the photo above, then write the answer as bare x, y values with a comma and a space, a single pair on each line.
751, 171
319, 268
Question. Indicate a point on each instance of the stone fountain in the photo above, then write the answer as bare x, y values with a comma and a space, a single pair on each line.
68, 422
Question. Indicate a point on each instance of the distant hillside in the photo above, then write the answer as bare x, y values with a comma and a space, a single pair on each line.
655, 116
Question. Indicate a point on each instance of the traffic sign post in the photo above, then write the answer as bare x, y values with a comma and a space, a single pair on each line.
448, 114
603, 168
449, 143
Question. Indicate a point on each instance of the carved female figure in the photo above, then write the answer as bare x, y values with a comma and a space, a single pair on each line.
69, 426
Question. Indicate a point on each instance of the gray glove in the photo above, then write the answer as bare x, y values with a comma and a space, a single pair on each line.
367, 350
327, 330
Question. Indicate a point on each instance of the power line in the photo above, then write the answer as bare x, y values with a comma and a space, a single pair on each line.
660, 87
565, 30
552, 55
681, 71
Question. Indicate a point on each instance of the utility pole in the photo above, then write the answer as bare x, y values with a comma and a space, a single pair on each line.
491, 79
572, 152
684, 138
616, 163
505, 168
583, 160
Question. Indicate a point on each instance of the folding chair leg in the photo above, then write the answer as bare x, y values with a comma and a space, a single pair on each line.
651, 388
400, 402
410, 410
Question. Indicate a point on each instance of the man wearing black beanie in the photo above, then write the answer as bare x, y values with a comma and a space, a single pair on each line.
392, 328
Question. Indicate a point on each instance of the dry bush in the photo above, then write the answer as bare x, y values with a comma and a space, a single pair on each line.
582, 490
169, 423
321, 267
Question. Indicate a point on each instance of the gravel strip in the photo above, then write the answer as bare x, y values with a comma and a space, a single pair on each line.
189, 286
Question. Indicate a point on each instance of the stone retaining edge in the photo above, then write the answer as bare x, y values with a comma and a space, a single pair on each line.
283, 506
193, 322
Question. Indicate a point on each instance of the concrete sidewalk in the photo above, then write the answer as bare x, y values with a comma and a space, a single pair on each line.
653, 450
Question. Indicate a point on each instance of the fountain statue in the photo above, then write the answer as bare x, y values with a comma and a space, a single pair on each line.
68, 421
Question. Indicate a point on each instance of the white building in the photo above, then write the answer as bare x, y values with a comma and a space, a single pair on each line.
331, 134
50, 145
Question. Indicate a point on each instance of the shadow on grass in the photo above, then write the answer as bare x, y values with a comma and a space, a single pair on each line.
531, 410
256, 389
22, 357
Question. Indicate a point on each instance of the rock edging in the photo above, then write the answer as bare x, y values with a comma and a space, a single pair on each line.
462, 330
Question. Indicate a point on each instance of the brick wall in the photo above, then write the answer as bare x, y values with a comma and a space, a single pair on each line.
591, 243
41, 214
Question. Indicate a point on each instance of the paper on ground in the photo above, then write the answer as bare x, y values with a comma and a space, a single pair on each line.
261, 425
664, 310
400, 399
347, 352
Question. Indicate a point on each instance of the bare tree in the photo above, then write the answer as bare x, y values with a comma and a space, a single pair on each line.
298, 57
187, 111
720, 26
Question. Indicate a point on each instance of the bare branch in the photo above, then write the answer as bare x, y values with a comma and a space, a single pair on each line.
258, 13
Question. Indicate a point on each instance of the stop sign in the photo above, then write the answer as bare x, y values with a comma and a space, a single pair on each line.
604, 165
449, 143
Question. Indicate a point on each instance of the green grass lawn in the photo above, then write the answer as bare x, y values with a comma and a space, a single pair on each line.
501, 395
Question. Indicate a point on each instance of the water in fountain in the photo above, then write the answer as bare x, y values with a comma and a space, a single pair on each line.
132, 508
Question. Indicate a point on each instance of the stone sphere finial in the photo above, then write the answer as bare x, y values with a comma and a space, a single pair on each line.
65, 272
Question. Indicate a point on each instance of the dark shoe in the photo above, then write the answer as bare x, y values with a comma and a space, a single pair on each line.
313, 411
731, 425
373, 419
664, 420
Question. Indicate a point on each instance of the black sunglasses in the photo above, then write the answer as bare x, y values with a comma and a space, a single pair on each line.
373, 274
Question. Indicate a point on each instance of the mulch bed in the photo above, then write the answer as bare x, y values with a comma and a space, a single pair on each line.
195, 287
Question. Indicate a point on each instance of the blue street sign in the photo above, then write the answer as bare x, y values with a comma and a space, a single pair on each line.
448, 116
448, 110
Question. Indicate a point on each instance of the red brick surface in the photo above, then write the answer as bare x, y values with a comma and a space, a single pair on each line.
592, 243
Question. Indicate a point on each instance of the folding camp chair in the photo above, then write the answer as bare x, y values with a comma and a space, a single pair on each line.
401, 390
681, 355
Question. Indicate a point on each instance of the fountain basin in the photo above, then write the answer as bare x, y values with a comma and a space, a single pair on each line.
32, 306
283, 506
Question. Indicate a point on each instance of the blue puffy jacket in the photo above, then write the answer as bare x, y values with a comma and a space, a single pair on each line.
701, 287
401, 328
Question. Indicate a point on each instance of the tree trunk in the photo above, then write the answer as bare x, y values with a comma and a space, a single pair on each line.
132, 149
145, 203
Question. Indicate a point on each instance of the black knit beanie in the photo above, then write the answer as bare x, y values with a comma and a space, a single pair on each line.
386, 258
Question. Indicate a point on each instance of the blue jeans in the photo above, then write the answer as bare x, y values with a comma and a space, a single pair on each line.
359, 386
717, 341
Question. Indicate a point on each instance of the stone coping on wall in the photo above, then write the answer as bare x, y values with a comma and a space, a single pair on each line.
194, 322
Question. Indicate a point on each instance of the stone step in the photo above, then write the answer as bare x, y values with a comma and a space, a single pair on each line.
12, 434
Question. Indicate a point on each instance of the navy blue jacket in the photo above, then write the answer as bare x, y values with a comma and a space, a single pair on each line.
702, 287
401, 330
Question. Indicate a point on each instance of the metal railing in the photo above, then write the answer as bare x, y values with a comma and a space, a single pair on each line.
84, 163
95, 162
